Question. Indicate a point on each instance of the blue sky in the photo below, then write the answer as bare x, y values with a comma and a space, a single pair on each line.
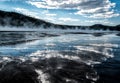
68, 12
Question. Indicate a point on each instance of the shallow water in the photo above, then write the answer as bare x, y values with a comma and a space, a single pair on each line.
47, 57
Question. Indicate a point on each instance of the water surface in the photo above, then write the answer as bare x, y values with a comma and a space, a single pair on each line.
47, 57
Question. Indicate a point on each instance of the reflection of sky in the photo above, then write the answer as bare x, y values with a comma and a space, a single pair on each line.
84, 42
60, 15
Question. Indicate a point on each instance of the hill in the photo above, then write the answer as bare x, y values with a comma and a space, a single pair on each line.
18, 20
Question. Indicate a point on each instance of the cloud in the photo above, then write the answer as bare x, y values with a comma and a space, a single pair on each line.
105, 15
47, 13
51, 17
87, 8
27, 12
51, 14
105, 21
55, 4
68, 19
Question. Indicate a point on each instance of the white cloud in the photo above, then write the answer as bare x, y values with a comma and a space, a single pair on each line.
27, 12
47, 15
51, 17
68, 19
104, 9
87, 8
53, 4
104, 15
104, 21
50, 14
